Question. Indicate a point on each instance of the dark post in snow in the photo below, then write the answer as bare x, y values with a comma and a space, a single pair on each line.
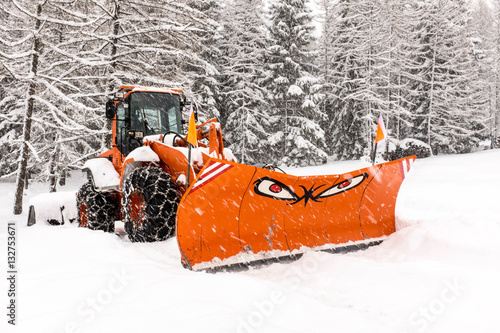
23, 161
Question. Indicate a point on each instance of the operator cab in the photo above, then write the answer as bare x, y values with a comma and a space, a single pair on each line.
141, 113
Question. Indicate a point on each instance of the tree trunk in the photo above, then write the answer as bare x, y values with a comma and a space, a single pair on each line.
23, 162
62, 177
431, 97
495, 114
112, 54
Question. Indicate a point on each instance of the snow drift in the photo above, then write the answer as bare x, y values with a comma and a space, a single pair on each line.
438, 273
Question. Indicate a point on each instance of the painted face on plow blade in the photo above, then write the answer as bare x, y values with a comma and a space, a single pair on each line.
272, 188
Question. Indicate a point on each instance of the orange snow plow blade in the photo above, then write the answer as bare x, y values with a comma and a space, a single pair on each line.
237, 213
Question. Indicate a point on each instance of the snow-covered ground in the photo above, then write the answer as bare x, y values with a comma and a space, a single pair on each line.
440, 272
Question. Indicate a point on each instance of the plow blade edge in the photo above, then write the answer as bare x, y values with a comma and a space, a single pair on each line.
237, 213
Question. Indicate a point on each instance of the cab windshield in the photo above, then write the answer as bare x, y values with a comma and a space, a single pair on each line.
149, 112
155, 113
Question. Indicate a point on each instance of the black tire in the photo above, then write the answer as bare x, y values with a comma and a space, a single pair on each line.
149, 205
97, 210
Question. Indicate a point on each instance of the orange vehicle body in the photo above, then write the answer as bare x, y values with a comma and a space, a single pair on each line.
233, 213
172, 160
238, 213
114, 154
172, 157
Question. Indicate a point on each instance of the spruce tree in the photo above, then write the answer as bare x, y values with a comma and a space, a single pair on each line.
297, 138
243, 95
65, 58
446, 100
39, 61
202, 72
347, 110
485, 26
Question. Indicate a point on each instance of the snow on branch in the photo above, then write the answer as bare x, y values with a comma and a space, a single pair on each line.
16, 56
180, 9
64, 97
33, 151
163, 28
58, 116
44, 18
76, 58
17, 42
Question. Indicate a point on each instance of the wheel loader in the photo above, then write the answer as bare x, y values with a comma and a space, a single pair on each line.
222, 212
143, 177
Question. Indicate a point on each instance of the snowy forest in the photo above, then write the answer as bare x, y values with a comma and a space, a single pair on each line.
291, 81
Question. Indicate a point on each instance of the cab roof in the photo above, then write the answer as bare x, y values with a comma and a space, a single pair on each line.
129, 88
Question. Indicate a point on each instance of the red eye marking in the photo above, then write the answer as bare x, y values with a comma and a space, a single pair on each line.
275, 188
344, 184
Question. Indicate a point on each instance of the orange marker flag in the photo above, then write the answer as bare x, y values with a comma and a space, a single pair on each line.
381, 132
192, 137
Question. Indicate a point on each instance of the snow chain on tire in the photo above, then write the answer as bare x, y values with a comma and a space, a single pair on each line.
97, 210
149, 205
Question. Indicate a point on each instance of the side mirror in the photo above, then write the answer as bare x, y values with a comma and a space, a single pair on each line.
110, 109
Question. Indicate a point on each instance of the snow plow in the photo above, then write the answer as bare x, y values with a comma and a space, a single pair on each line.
238, 213
221, 212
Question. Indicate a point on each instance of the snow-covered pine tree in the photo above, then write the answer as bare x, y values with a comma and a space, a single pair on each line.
328, 17
347, 131
10, 123
11, 104
446, 100
39, 62
82, 52
145, 42
485, 26
203, 75
495, 115
396, 23
297, 138
243, 96
377, 62
26, 47
150, 43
